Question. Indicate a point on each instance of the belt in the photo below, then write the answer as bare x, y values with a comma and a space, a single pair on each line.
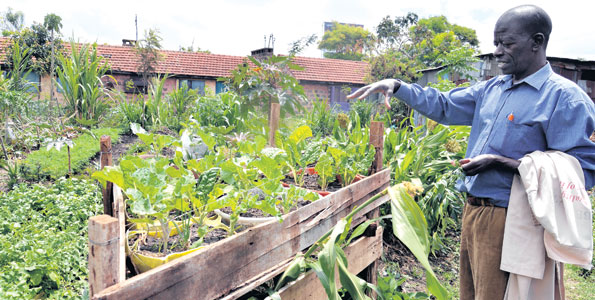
478, 201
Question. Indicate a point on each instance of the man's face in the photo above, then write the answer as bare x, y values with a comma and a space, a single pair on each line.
514, 52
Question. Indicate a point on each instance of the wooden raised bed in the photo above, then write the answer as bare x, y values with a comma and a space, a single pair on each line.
231, 267
361, 253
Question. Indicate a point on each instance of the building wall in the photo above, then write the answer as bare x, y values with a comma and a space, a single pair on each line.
334, 93
316, 91
210, 86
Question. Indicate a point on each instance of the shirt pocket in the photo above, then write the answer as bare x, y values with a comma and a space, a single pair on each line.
517, 140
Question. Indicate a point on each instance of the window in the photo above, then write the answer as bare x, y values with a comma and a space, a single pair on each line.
198, 85
58, 85
338, 95
34, 81
135, 85
220, 87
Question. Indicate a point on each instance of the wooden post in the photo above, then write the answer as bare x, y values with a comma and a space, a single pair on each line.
274, 116
377, 140
106, 160
370, 273
120, 214
104, 255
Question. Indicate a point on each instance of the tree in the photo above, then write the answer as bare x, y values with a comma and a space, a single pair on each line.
53, 23
407, 44
12, 21
394, 34
39, 41
345, 42
296, 47
265, 82
148, 54
434, 37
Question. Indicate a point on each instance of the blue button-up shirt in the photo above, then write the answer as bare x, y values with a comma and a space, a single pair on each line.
543, 112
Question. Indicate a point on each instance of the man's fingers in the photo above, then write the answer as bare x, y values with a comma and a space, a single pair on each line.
471, 169
358, 92
387, 97
367, 92
464, 161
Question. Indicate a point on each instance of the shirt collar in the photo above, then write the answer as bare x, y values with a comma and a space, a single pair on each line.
536, 80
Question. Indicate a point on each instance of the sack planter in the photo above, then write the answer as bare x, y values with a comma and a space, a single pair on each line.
144, 263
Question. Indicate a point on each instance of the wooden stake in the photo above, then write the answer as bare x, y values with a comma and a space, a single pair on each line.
103, 253
106, 160
370, 273
377, 140
120, 214
274, 116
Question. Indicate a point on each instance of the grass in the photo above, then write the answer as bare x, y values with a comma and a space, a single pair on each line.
53, 164
579, 283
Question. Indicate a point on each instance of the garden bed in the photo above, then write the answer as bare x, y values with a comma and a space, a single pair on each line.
230, 264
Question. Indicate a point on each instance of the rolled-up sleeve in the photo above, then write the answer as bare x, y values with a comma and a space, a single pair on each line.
455, 107
569, 129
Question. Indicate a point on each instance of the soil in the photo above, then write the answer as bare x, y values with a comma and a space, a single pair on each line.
311, 183
149, 245
125, 142
398, 259
257, 213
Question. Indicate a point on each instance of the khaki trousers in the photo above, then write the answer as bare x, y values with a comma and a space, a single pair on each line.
481, 248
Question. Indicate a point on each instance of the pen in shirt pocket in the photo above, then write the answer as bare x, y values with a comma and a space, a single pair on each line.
510, 117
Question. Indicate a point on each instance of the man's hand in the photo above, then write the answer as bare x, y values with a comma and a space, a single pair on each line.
480, 163
386, 87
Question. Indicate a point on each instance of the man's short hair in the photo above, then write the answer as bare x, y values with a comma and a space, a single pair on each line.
534, 20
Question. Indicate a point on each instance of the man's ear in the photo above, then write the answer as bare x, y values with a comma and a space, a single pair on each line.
538, 41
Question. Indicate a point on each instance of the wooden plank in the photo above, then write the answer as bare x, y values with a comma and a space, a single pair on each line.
258, 280
377, 140
120, 213
105, 144
370, 273
360, 254
274, 116
103, 253
220, 268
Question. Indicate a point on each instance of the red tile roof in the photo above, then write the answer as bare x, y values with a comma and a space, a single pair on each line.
123, 59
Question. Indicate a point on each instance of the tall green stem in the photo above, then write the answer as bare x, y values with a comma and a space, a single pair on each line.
349, 216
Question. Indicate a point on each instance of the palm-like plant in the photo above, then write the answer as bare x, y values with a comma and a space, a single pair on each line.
53, 23
80, 81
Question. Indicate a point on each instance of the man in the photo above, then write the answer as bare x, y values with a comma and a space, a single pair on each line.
529, 108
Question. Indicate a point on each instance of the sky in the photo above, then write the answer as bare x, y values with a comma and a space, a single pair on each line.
235, 27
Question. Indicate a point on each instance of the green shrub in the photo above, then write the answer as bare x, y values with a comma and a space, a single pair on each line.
43, 239
54, 164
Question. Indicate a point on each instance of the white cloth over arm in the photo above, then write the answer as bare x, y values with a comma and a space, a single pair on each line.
549, 194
